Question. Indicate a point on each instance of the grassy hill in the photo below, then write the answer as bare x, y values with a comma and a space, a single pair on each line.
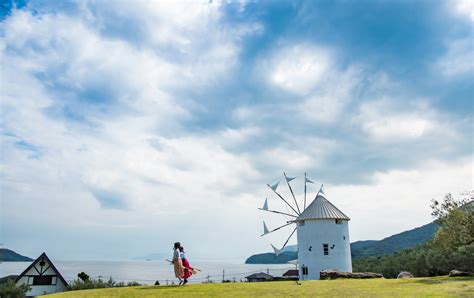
360, 249
7, 255
416, 287
407, 239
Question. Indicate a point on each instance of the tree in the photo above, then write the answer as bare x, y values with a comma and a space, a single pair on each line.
451, 248
456, 221
9, 289
83, 276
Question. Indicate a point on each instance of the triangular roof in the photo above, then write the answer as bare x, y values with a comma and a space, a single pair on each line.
43, 255
321, 208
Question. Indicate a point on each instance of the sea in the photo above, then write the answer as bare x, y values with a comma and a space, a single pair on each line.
148, 272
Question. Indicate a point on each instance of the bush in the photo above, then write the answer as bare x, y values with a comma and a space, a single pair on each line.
9, 289
80, 284
87, 283
83, 276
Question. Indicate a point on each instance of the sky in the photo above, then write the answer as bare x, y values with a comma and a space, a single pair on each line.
129, 125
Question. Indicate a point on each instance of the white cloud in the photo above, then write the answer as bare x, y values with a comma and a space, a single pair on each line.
463, 8
299, 68
399, 200
326, 104
458, 58
191, 33
399, 126
48, 59
384, 121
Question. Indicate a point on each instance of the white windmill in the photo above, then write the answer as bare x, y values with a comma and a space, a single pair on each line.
322, 232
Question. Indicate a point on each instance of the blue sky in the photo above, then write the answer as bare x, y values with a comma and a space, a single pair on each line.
127, 125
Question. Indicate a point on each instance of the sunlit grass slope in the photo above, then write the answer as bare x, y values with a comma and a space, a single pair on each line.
417, 287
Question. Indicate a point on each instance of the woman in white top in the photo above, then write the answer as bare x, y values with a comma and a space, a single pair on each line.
177, 262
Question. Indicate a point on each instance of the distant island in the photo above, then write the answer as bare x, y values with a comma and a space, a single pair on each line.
359, 249
7, 255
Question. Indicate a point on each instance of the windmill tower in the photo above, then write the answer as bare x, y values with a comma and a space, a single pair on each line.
322, 233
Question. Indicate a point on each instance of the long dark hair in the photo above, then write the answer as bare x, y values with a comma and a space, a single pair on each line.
181, 249
177, 245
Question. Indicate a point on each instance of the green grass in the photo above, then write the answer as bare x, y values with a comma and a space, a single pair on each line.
416, 287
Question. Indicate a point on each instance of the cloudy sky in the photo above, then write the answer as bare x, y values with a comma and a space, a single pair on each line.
128, 125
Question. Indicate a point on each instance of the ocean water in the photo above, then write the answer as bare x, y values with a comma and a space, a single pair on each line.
147, 272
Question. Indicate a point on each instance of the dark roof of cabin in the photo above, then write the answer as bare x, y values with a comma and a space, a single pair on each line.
291, 272
260, 275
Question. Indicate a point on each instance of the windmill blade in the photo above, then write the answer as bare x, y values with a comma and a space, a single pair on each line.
283, 199
274, 186
265, 229
265, 205
306, 180
304, 202
289, 179
291, 190
278, 212
321, 190
266, 232
276, 250
279, 251
286, 242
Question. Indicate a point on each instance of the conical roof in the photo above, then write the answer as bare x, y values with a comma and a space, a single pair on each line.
321, 208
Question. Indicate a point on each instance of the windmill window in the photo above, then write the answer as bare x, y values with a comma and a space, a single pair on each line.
326, 249
338, 221
305, 270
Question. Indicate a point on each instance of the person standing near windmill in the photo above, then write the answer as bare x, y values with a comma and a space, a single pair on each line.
177, 262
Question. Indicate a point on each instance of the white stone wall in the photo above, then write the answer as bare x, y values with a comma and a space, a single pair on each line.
311, 237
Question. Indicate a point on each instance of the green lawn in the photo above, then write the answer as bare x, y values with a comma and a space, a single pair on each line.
416, 287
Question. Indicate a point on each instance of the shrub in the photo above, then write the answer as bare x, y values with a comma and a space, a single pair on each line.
87, 283
83, 276
9, 289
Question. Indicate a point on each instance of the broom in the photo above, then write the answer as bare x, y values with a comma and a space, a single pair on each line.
194, 270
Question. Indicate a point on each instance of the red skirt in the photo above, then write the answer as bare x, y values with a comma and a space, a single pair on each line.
188, 270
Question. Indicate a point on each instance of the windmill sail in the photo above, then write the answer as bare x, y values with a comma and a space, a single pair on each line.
306, 180
265, 205
276, 250
321, 190
274, 186
278, 212
265, 229
286, 242
291, 190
